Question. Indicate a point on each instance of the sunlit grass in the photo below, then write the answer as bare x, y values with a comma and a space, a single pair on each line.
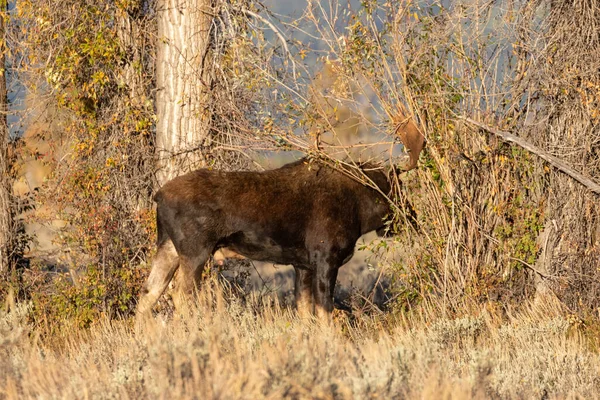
226, 349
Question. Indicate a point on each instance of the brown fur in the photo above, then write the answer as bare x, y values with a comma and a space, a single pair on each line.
304, 214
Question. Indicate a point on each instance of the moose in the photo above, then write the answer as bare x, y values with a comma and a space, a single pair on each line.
306, 213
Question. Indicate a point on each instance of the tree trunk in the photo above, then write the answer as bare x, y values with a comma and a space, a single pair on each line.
128, 33
6, 226
183, 83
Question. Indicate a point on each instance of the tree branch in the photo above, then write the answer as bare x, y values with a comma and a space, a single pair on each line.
279, 35
552, 160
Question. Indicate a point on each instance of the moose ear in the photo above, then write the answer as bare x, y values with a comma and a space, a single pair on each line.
412, 139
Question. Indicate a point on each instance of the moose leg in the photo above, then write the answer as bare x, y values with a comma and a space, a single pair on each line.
323, 287
189, 275
303, 291
164, 265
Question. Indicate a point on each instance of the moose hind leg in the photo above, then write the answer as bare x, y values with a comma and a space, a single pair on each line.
303, 291
190, 273
164, 265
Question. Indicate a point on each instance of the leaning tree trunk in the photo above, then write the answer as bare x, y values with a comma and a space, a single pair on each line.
6, 234
183, 83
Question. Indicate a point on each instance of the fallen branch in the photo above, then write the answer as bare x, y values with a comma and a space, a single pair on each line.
555, 162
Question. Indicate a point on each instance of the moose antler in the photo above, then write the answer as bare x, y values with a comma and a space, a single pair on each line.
412, 139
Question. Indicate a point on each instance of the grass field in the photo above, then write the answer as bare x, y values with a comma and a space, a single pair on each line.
223, 349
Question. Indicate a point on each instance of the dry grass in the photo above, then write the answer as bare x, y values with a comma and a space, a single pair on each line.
226, 350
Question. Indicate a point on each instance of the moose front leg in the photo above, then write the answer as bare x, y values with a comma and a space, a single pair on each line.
303, 291
323, 287
326, 257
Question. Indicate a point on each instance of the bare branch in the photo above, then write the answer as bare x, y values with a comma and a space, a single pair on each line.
279, 35
554, 161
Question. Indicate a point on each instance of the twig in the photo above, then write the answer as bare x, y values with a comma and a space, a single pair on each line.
531, 267
552, 160
264, 282
279, 35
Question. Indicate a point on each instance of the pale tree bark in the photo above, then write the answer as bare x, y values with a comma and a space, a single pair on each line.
6, 226
183, 83
128, 33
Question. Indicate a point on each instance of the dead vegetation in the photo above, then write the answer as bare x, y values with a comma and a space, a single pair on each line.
221, 348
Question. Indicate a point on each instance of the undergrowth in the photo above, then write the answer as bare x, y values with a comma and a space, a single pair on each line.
225, 348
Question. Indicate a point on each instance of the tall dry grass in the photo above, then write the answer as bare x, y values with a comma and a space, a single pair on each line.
224, 349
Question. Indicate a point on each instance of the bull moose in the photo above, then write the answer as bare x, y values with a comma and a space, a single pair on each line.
306, 214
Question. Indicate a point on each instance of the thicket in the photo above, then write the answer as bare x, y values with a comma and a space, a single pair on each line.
494, 223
